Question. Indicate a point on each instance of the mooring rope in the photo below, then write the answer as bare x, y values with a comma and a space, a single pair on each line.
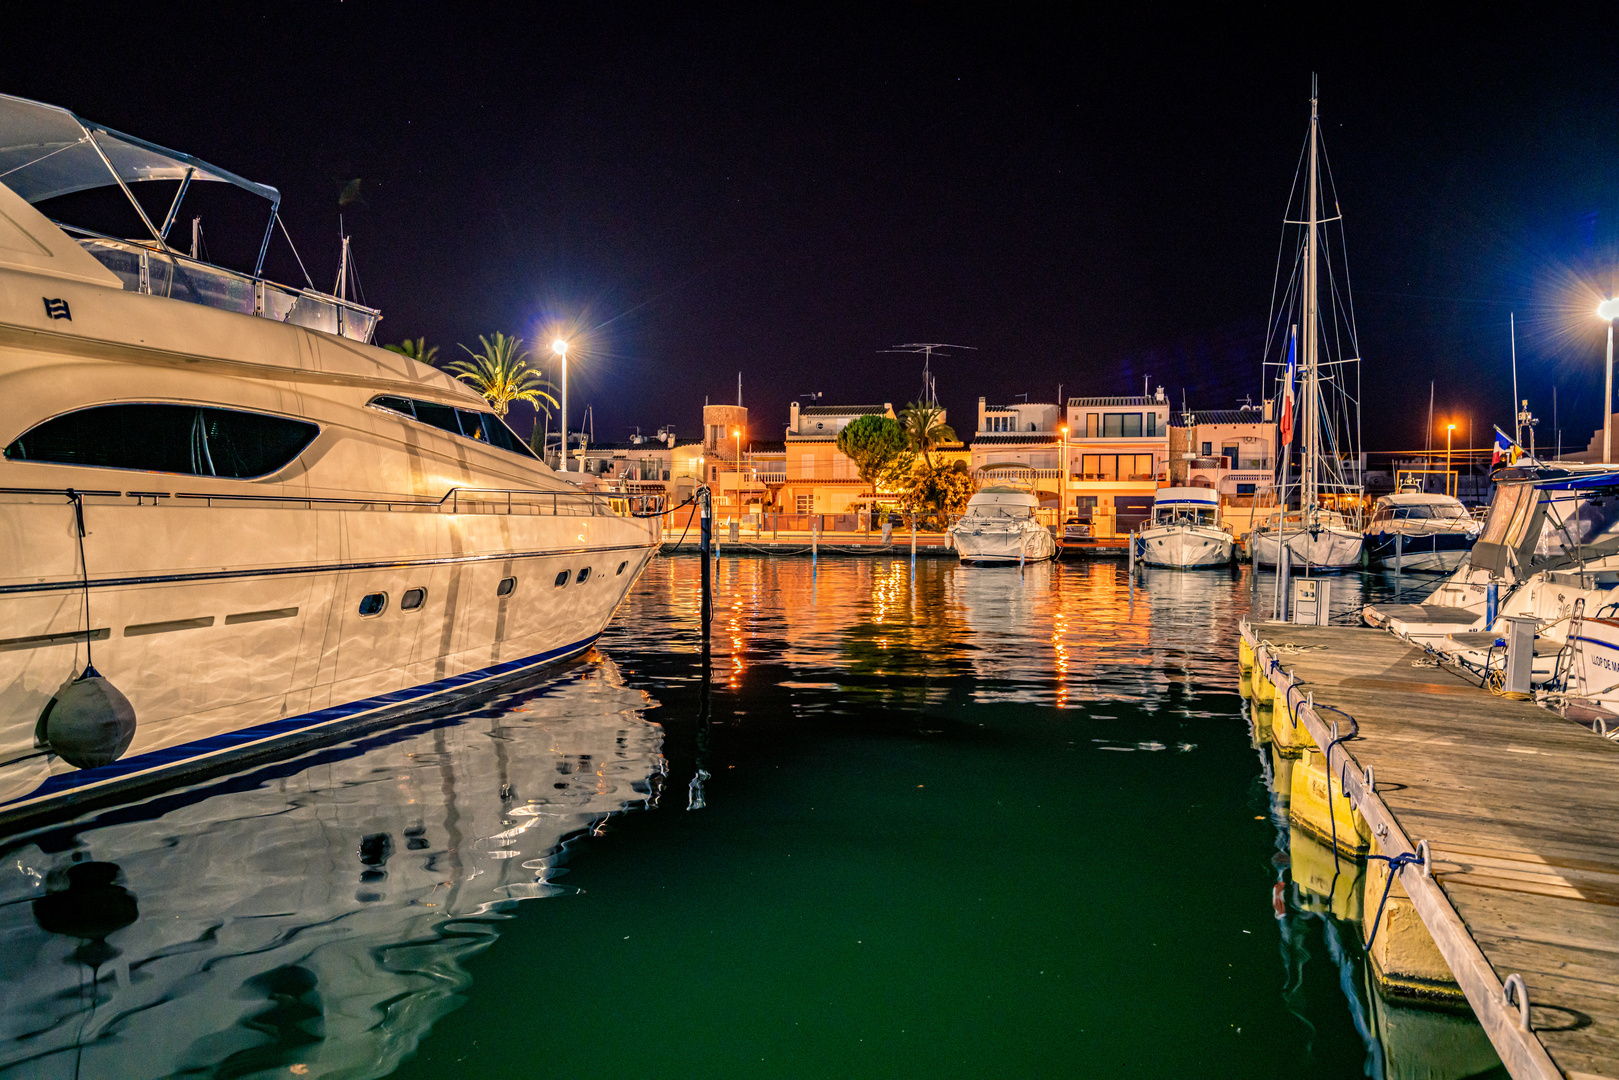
1410, 858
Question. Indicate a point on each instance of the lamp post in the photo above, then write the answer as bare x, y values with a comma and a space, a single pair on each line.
560, 347
1062, 485
1609, 310
1450, 429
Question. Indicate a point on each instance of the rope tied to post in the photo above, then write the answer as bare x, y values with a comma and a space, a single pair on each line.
1396, 864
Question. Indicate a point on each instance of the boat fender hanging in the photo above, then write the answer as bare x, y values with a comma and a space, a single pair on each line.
91, 723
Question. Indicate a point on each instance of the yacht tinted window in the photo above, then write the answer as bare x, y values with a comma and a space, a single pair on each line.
412, 599
468, 423
507, 584
439, 416
397, 404
186, 439
562, 579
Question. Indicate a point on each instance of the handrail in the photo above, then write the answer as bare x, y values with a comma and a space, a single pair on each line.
600, 503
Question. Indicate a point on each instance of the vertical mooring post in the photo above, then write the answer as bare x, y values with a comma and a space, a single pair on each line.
1399, 557
1284, 566
705, 511
913, 545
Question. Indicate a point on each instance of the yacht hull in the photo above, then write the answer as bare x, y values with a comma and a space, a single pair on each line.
1429, 553
1319, 549
1183, 547
236, 632
990, 546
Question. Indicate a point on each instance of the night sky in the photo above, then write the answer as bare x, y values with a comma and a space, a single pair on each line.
785, 192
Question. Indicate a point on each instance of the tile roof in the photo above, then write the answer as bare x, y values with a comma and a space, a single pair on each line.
842, 410
1219, 416
1106, 402
1017, 438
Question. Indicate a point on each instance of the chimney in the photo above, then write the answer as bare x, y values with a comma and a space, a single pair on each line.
792, 419
980, 414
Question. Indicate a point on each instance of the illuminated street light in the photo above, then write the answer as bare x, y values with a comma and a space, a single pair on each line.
1062, 487
1609, 310
560, 347
1449, 430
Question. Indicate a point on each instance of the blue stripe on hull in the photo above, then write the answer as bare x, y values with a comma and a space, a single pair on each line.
216, 750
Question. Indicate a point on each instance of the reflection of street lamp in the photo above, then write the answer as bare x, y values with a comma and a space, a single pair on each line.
1449, 429
1609, 310
560, 347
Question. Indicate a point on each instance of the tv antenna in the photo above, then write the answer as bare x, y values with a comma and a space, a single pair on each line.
930, 395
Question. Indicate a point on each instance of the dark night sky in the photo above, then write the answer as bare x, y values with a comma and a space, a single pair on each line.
785, 192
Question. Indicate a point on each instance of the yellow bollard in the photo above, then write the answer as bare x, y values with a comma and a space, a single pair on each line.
1289, 737
1258, 724
1328, 884
1405, 961
1245, 655
1264, 689
1317, 805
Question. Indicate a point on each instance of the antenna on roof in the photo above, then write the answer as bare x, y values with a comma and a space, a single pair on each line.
739, 388
930, 394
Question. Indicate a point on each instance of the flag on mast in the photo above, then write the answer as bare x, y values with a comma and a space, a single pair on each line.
1506, 449
1285, 420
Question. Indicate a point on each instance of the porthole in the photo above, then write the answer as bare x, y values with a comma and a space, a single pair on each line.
622, 565
562, 579
373, 603
507, 584
412, 599
584, 576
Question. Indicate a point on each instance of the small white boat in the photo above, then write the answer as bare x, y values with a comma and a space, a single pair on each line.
1185, 532
1000, 527
1422, 533
1319, 539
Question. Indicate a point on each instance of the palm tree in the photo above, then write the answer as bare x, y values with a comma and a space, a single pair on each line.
926, 429
418, 350
501, 373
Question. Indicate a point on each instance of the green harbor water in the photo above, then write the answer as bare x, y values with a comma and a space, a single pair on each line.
941, 822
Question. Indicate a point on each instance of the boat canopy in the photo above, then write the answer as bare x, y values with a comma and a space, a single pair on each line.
1189, 495
46, 151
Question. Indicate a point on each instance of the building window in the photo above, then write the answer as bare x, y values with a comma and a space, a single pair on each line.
1115, 467
1121, 425
1208, 449
1152, 425
1230, 455
1091, 429
801, 503
1245, 489
185, 439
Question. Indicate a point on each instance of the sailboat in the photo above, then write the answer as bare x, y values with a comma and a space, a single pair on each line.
1323, 532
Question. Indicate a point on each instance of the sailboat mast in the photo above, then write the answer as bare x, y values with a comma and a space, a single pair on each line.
1312, 385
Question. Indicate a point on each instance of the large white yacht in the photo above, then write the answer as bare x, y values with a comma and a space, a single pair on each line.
1411, 530
231, 524
1185, 532
1000, 527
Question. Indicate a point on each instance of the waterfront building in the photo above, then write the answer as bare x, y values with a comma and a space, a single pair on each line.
1117, 458
1231, 451
818, 478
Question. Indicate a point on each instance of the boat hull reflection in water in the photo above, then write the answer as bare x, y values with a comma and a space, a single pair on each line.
313, 916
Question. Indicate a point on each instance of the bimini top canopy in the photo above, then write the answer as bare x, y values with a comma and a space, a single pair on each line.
1189, 495
46, 151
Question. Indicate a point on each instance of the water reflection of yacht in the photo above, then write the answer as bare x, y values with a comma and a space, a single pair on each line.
285, 531
345, 890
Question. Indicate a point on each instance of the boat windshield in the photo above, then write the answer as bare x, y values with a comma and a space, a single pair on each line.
1183, 515
1001, 512
1427, 512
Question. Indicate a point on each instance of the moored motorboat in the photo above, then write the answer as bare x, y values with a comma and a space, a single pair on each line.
1185, 531
1000, 527
1412, 531
234, 526
1321, 540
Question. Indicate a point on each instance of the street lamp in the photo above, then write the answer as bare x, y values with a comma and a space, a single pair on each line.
1609, 310
1062, 484
1449, 430
560, 347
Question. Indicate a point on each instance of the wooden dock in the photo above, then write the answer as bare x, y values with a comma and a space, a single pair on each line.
1520, 811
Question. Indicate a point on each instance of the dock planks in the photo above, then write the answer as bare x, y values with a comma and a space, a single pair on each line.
1520, 808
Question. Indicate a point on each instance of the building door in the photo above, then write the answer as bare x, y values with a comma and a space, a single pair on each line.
1131, 511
